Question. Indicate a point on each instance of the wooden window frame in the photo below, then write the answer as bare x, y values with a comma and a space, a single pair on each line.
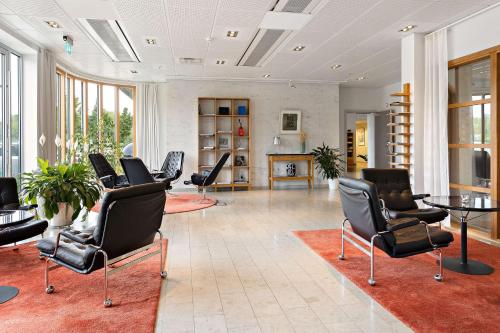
493, 54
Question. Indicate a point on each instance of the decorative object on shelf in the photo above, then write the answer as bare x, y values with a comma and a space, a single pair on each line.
291, 170
239, 160
302, 140
363, 157
223, 142
351, 160
241, 130
329, 163
242, 110
290, 121
61, 191
224, 110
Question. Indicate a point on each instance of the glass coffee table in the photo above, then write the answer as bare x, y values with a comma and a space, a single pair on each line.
464, 207
9, 218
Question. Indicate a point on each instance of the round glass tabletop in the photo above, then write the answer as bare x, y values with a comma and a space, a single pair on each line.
12, 217
472, 204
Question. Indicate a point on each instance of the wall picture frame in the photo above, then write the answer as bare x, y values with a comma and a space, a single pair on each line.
290, 121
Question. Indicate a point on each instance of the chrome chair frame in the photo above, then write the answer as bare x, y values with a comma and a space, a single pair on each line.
49, 289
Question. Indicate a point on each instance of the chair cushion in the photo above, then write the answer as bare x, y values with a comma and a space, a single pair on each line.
21, 231
69, 252
198, 179
413, 240
428, 215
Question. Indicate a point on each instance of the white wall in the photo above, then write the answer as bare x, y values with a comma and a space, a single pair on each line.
475, 34
178, 102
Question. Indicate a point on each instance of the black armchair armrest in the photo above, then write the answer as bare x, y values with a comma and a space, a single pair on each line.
420, 196
28, 207
108, 181
397, 224
85, 237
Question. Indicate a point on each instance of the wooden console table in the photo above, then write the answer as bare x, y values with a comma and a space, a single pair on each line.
309, 158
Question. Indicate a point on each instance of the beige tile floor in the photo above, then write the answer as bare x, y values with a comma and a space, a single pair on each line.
238, 268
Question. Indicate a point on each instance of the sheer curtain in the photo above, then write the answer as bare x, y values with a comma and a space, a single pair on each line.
46, 99
148, 140
435, 115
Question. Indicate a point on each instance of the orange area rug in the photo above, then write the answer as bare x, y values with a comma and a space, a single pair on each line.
179, 203
77, 303
406, 287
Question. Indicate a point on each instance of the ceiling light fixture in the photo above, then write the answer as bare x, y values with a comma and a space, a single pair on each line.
336, 66
232, 33
361, 78
266, 76
291, 84
133, 71
220, 62
151, 41
299, 48
53, 24
407, 28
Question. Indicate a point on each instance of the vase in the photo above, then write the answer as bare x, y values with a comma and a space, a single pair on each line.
333, 183
303, 147
64, 217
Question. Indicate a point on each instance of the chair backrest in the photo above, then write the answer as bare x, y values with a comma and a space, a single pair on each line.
393, 186
129, 218
361, 207
135, 170
9, 199
215, 171
172, 166
101, 166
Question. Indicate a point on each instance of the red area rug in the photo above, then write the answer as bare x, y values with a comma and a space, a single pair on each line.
406, 287
77, 303
180, 203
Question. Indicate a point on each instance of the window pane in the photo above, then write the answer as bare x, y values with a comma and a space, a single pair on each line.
78, 105
467, 81
93, 113
58, 111
470, 124
108, 123
15, 112
126, 108
67, 116
470, 166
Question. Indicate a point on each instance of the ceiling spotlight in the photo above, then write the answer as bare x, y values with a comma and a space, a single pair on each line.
361, 78
220, 62
232, 33
150, 41
53, 24
291, 84
336, 66
266, 76
407, 28
299, 48
133, 71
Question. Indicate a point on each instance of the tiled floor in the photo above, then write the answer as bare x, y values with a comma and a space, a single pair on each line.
238, 268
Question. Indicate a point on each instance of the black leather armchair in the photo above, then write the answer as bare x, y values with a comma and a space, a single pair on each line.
398, 238
137, 173
9, 198
202, 181
171, 170
393, 186
106, 173
127, 225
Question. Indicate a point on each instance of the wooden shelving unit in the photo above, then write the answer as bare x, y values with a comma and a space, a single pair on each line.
350, 153
399, 144
218, 134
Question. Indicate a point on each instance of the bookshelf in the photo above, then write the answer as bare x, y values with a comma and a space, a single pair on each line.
351, 154
219, 122
399, 144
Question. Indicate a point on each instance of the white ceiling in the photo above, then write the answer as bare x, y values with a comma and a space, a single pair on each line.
361, 35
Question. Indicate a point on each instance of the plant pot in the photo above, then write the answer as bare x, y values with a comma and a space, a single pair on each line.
333, 183
63, 218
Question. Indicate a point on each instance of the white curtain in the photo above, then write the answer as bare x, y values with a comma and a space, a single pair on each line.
46, 98
435, 115
148, 139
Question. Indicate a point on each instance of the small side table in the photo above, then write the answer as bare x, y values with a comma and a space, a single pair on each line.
309, 158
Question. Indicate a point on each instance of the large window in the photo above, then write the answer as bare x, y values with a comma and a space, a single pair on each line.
10, 112
94, 117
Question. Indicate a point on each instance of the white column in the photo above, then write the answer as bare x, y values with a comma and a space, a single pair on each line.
370, 124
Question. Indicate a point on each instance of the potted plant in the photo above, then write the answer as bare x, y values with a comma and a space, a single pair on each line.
61, 191
328, 161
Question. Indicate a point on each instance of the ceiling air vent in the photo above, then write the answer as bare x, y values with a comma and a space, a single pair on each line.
296, 6
110, 38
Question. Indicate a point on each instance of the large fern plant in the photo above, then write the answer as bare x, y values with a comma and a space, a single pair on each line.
328, 161
73, 184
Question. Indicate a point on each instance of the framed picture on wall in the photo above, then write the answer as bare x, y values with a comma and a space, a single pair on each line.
290, 121
360, 135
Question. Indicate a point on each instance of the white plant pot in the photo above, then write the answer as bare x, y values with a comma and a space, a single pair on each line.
63, 218
333, 183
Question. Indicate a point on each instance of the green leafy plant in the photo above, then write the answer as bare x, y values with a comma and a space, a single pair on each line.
363, 157
328, 161
73, 184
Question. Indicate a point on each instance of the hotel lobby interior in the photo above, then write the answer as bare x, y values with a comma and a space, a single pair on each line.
247, 166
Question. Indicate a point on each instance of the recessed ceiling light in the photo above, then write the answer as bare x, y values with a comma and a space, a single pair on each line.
53, 24
407, 28
336, 66
220, 62
299, 48
232, 33
151, 41
266, 76
361, 78
133, 71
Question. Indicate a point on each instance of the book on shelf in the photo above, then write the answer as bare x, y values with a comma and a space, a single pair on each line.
224, 132
206, 134
208, 148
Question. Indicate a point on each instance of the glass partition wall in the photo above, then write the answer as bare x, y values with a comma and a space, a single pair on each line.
93, 117
472, 131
